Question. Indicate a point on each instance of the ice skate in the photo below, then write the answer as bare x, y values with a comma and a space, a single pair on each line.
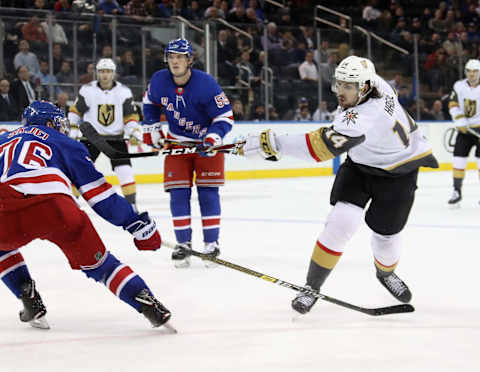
396, 287
303, 302
455, 199
153, 310
180, 256
212, 249
34, 310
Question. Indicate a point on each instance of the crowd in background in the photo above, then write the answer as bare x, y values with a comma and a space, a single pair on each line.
447, 37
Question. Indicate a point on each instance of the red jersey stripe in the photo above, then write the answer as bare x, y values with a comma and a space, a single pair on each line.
119, 278
95, 191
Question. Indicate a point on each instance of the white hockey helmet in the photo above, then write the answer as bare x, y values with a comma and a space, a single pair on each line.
472, 64
355, 69
106, 64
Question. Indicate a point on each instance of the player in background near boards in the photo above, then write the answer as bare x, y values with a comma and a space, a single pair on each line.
39, 164
108, 105
196, 109
384, 151
464, 108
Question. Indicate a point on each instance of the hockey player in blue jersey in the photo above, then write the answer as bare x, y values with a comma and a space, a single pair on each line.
196, 109
39, 163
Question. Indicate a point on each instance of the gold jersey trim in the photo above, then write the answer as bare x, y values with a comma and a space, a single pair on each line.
423, 155
317, 145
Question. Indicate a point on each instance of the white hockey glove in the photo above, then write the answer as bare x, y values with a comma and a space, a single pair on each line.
210, 140
153, 135
134, 133
75, 133
264, 144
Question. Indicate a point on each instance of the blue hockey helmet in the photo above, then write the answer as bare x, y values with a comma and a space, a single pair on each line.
179, 46
42, 113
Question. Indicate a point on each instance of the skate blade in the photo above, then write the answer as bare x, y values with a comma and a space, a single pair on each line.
454, 206
170, 329
40, 323
181, 264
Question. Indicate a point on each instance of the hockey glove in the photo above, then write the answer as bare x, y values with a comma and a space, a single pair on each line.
134, 133
265, 144
210, 140
75, 133
153, 135
145, 233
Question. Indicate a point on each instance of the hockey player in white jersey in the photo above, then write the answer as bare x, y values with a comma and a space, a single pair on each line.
464, 108
384, 151
108, 105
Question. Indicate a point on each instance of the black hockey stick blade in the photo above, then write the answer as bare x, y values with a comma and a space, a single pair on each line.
378, 311
102, 144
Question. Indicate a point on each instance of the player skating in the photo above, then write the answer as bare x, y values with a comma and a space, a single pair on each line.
108, 105
39, 163
464, 108
196, 109
385, 149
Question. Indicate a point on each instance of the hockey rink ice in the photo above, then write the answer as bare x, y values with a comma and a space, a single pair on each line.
228, 321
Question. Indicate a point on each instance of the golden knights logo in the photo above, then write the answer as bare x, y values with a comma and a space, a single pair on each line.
350, 117
106, 114
470, 107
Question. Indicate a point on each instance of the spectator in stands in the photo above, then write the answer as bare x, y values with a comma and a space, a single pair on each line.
371, 15
26, 58
272, 113
65, 76
303, 115
8, 106
404, 96
40, 5
471, 15
136, 10
33, 31
437, 23
127, 66
308, 70
22, 90
62, 6
57, 57
226, 56
164, 9
285, 18
110, 7
192, 12
252, 4
416, 27
306, 36
425, 113
452, 45
58, 33
472, 32
384, 24
292, 113
245, 68
46, 79
237, 109
272, 40
400, 28
251, 16
450, 19
259, 112
107, 52
237, 15
430, 46
321, 55
328, 70
89, 76
62, 102
322, 113
435, 68
437, 110
396, 82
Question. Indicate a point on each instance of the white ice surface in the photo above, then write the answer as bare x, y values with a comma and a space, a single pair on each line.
229, 321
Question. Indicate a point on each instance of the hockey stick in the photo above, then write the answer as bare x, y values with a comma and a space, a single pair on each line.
188, 147
395, 309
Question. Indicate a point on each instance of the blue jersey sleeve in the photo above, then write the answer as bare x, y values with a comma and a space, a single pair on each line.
218, 108
152, 107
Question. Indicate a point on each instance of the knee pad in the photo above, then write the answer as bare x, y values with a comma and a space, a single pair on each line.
386, 248
342, 222
103, 268
459, 162
124, 174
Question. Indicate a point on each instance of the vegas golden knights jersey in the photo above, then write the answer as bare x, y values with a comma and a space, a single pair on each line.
107, 110
377, 133
464, 105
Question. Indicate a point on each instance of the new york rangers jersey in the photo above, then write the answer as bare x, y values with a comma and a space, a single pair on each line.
108, 110
40, 160
192, 111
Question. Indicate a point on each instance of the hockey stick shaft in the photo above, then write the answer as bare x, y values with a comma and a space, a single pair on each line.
395, 309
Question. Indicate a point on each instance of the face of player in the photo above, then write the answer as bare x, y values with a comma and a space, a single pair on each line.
105, 78
179, 65
472, 76
347, 94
